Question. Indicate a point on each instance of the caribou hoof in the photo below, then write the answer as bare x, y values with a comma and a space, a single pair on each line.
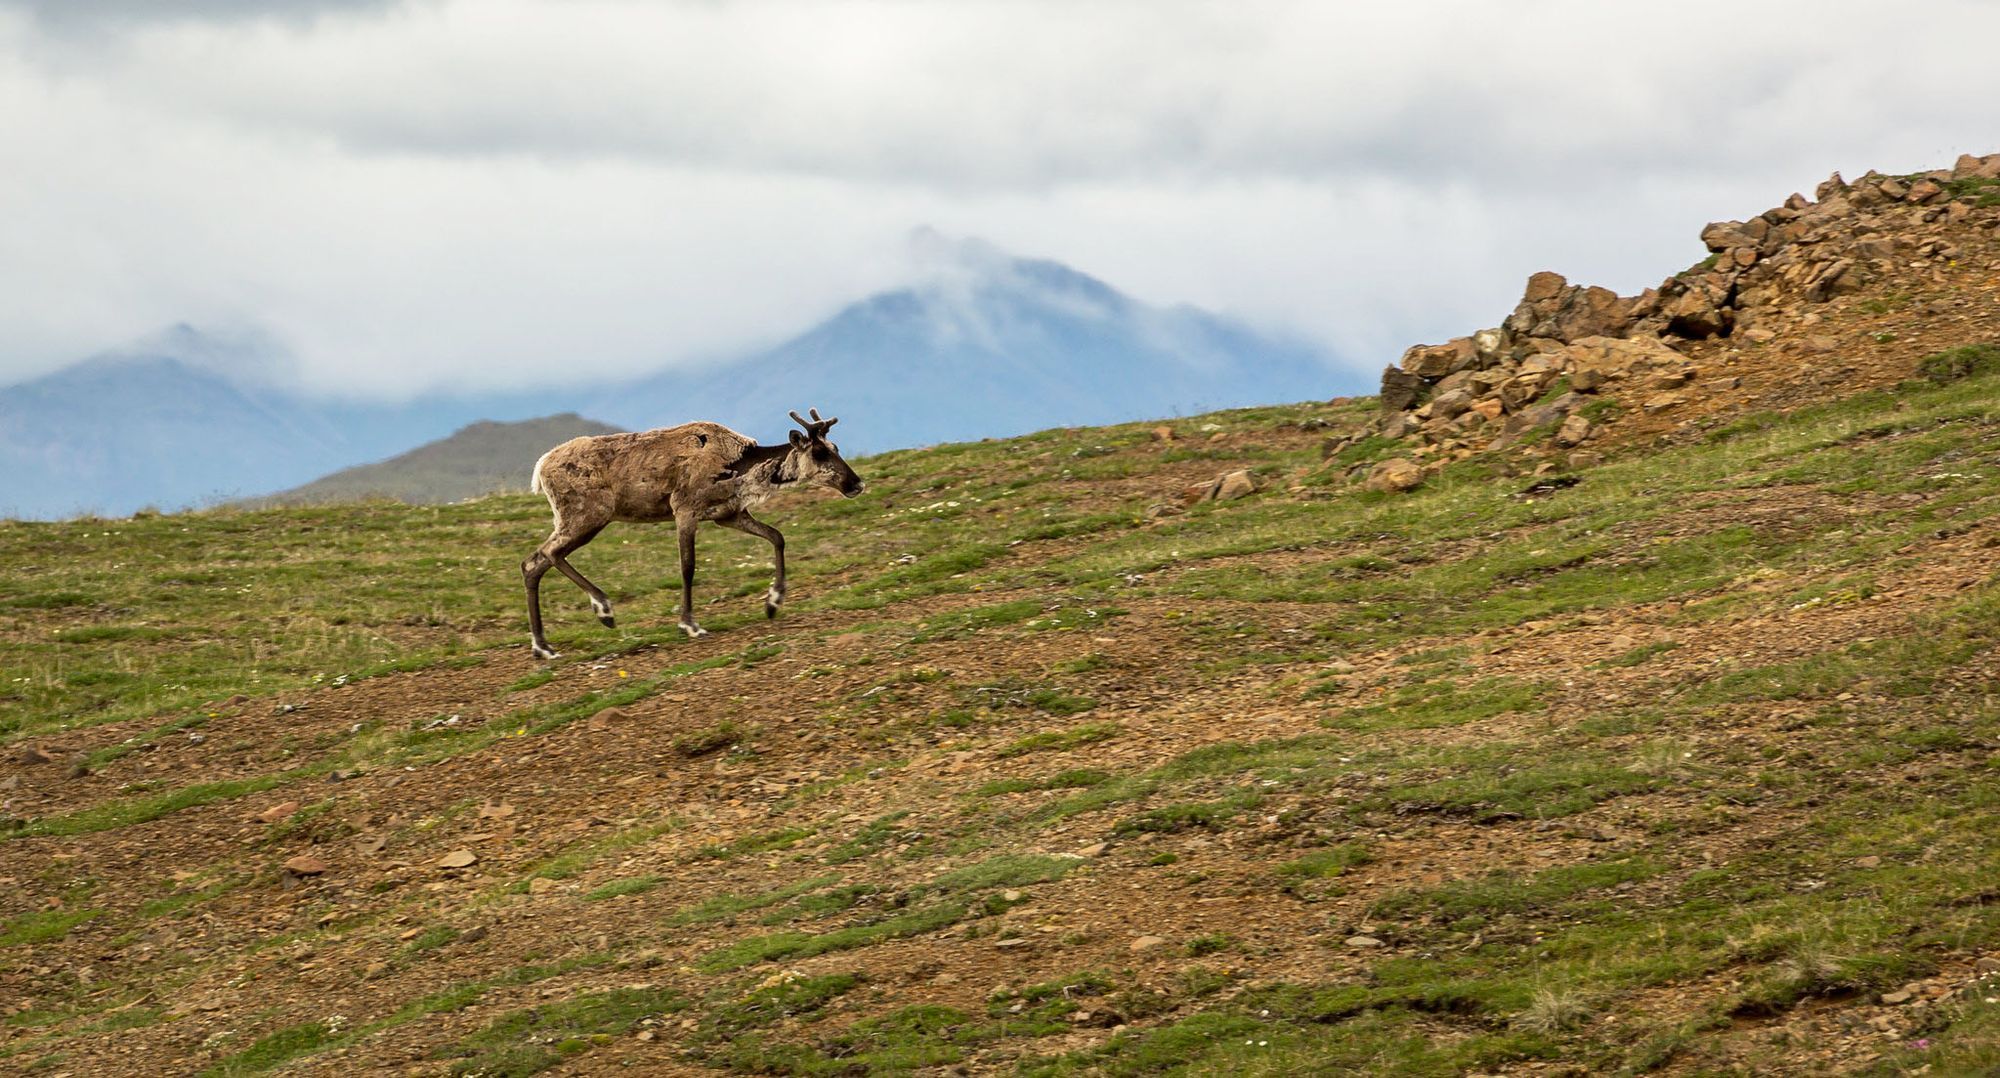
694, 631
543, 651
603, 611
608, 621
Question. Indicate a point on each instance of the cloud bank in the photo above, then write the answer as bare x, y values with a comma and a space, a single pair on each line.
504, 193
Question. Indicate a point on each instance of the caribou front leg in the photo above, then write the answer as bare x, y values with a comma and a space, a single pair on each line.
686, 523
750, 525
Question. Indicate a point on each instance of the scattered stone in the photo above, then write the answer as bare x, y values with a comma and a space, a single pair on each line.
1236, 484
1396, 475
1573, 431
458, 859
305, 864
1012, 943
1898, 997
1870, 861
1147, 943
278, 812
1095, 849
1660, 402
1163, 434
1362, 942
495, 810
34, 754
541, 885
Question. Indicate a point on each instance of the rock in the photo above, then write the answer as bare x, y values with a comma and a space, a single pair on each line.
1196, 493
1491, 409
1451, 403
1721, 236
1573, 431
1870, 861
1593, 361
1829, 187
1235, 485
1012, 943
1544, 286
1395, 476
1400, 389
1397, 426
1898, 997
277, 812
458, 859
1977, 168
495, 810
1095, 849
1163, 434
1579, 461
1361, 942
541, 885
1486, 344
1924, 191
1147, 943
1660, 402
34, 754
1893, 190
1829, 279
1520, 391
1434, 361
1554, 309
305, 864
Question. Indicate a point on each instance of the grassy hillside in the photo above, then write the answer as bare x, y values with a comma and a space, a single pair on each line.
1688, 766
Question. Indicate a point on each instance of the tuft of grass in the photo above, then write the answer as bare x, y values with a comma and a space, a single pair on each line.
1062, 740
1956, 364
43, 926
709, 739
617, 888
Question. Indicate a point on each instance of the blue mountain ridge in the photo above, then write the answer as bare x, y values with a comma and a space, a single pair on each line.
986, 346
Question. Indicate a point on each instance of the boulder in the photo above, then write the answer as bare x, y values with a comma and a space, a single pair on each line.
1434, 361
1235, 485
1594, 361
1828, 279
1924, 191
1719, 236
1395, 476
1977, 168
1400, 389
1573, 431
1574, 312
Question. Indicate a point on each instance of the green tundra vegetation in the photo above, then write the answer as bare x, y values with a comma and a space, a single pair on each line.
1743, 682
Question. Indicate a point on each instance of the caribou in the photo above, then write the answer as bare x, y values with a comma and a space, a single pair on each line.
686, 474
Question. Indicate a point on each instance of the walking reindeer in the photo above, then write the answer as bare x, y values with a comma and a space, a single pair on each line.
686, 474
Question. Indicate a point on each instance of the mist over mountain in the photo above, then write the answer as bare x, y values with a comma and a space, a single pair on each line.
984, 344
987, 345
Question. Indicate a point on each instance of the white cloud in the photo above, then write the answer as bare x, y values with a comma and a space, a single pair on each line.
505, 191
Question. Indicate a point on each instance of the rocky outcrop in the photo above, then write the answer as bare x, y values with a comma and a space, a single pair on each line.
1563, 343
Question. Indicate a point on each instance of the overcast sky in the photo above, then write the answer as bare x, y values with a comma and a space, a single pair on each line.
495, 193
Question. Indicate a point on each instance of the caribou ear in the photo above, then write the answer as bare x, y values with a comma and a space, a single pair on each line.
798, 439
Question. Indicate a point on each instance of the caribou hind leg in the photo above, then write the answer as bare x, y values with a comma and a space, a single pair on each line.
551, 554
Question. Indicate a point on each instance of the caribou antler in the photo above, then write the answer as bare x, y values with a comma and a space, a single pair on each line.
816, 427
